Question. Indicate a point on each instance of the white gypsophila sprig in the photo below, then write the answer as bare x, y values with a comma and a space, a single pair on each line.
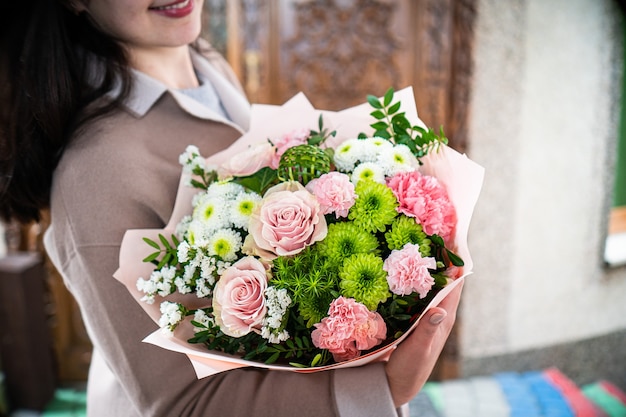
204, 289
277, 302
183, 285
368, 171
161, 282
397, 159
225, 243
202, 318
171, 315
191, 160
242, 207
182, 251
222, 266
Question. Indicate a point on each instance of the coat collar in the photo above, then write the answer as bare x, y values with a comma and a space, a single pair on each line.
146, 92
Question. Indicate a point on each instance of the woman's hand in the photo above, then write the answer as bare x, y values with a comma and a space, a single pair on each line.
411, 364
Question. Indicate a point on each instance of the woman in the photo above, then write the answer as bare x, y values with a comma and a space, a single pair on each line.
99, 99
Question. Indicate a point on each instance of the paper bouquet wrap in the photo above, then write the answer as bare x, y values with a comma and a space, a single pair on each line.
461, 177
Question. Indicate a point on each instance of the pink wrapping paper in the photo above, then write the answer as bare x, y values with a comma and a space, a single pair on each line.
462, 177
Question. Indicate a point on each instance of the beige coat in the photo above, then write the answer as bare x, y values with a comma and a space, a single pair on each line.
122, 173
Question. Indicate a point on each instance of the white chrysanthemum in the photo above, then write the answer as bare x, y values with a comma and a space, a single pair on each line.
367, 150
242, 208
182, 227
225, 243
345, 156
171, 315
397, 159
224, 190
380, 143
368, 171
202, 318
199, 236
210, 211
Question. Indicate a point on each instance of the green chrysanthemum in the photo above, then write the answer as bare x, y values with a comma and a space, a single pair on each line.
315, 308
346, 239
406, 230
375, 206
363, 278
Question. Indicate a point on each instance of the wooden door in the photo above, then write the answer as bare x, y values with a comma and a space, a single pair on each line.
338, 51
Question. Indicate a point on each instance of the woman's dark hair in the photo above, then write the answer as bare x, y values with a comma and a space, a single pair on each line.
55, 68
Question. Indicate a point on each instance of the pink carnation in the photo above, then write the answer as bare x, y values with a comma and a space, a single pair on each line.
295, 138
407, 271
348, 329
335, 193
425, 198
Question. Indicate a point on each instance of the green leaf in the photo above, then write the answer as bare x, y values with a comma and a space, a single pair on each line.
164, 241
377, 114
152, 243
151, 257
297, 365
316, 359
380, 125
454, 258
259, 181
388, 97
273, 358
374, 102
394, 108
437, 240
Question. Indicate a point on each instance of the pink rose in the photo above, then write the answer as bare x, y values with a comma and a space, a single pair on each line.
407, 271
249, 161
335, 193
238, 298
423, 197
348, 329
287, 220
295, 138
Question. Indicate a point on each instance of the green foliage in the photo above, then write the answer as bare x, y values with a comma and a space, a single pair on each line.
169, 251
393, 125
318, 137
260, 181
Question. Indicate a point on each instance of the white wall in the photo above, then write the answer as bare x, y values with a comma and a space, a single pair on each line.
544, 126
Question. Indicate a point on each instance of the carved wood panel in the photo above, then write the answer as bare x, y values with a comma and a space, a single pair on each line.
338, 51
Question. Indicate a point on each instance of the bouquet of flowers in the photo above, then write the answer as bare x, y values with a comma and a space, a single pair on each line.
308, 248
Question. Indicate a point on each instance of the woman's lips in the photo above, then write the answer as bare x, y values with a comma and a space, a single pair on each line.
179, 8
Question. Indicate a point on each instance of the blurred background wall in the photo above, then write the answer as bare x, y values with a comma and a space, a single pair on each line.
545, 122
